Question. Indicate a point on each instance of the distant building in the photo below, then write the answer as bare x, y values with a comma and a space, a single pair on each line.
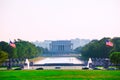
75, 43
61, 47
79, 42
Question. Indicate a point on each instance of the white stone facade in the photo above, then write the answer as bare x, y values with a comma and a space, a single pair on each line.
61, 47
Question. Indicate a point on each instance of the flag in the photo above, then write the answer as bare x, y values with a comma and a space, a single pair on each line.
109, 43
12, 44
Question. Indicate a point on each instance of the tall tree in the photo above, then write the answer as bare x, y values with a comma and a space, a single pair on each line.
96, 49
3, 56
26, 49
4, 46
116, 42
115, 58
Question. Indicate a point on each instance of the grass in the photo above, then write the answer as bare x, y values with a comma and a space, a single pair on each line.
59, 75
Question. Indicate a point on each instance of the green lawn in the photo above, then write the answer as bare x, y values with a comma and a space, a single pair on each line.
59, 75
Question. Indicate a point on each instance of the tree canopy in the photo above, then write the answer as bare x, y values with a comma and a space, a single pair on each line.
115, 58
98, 48
3, 56
4, 46
24, 49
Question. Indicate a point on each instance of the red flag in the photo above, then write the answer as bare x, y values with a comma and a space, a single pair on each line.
109, 43
12, 44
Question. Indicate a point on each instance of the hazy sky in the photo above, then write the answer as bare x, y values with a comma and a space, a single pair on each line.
59, 19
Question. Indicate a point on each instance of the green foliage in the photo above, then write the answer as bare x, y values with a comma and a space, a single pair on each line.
4, 46
115, 58
116, 42
78, 50
3, 56
24, 49
98, 48
40, 50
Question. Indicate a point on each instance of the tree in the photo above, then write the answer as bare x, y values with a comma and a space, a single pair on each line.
115, 58
4, 46
96, 49
3, 56
40, 50
116, 42
78, 50
26, 49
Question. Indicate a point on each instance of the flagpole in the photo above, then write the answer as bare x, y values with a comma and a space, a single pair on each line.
8, 67
9, 61
108, 44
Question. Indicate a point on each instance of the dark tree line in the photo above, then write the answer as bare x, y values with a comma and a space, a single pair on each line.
3, 56
24, 49
115, 58
98, 48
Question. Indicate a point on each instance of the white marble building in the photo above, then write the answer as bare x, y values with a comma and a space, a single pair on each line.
61, 47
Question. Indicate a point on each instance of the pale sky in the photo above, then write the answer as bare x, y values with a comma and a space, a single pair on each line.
59, 19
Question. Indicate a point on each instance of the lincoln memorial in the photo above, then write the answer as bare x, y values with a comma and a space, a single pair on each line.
61, 47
